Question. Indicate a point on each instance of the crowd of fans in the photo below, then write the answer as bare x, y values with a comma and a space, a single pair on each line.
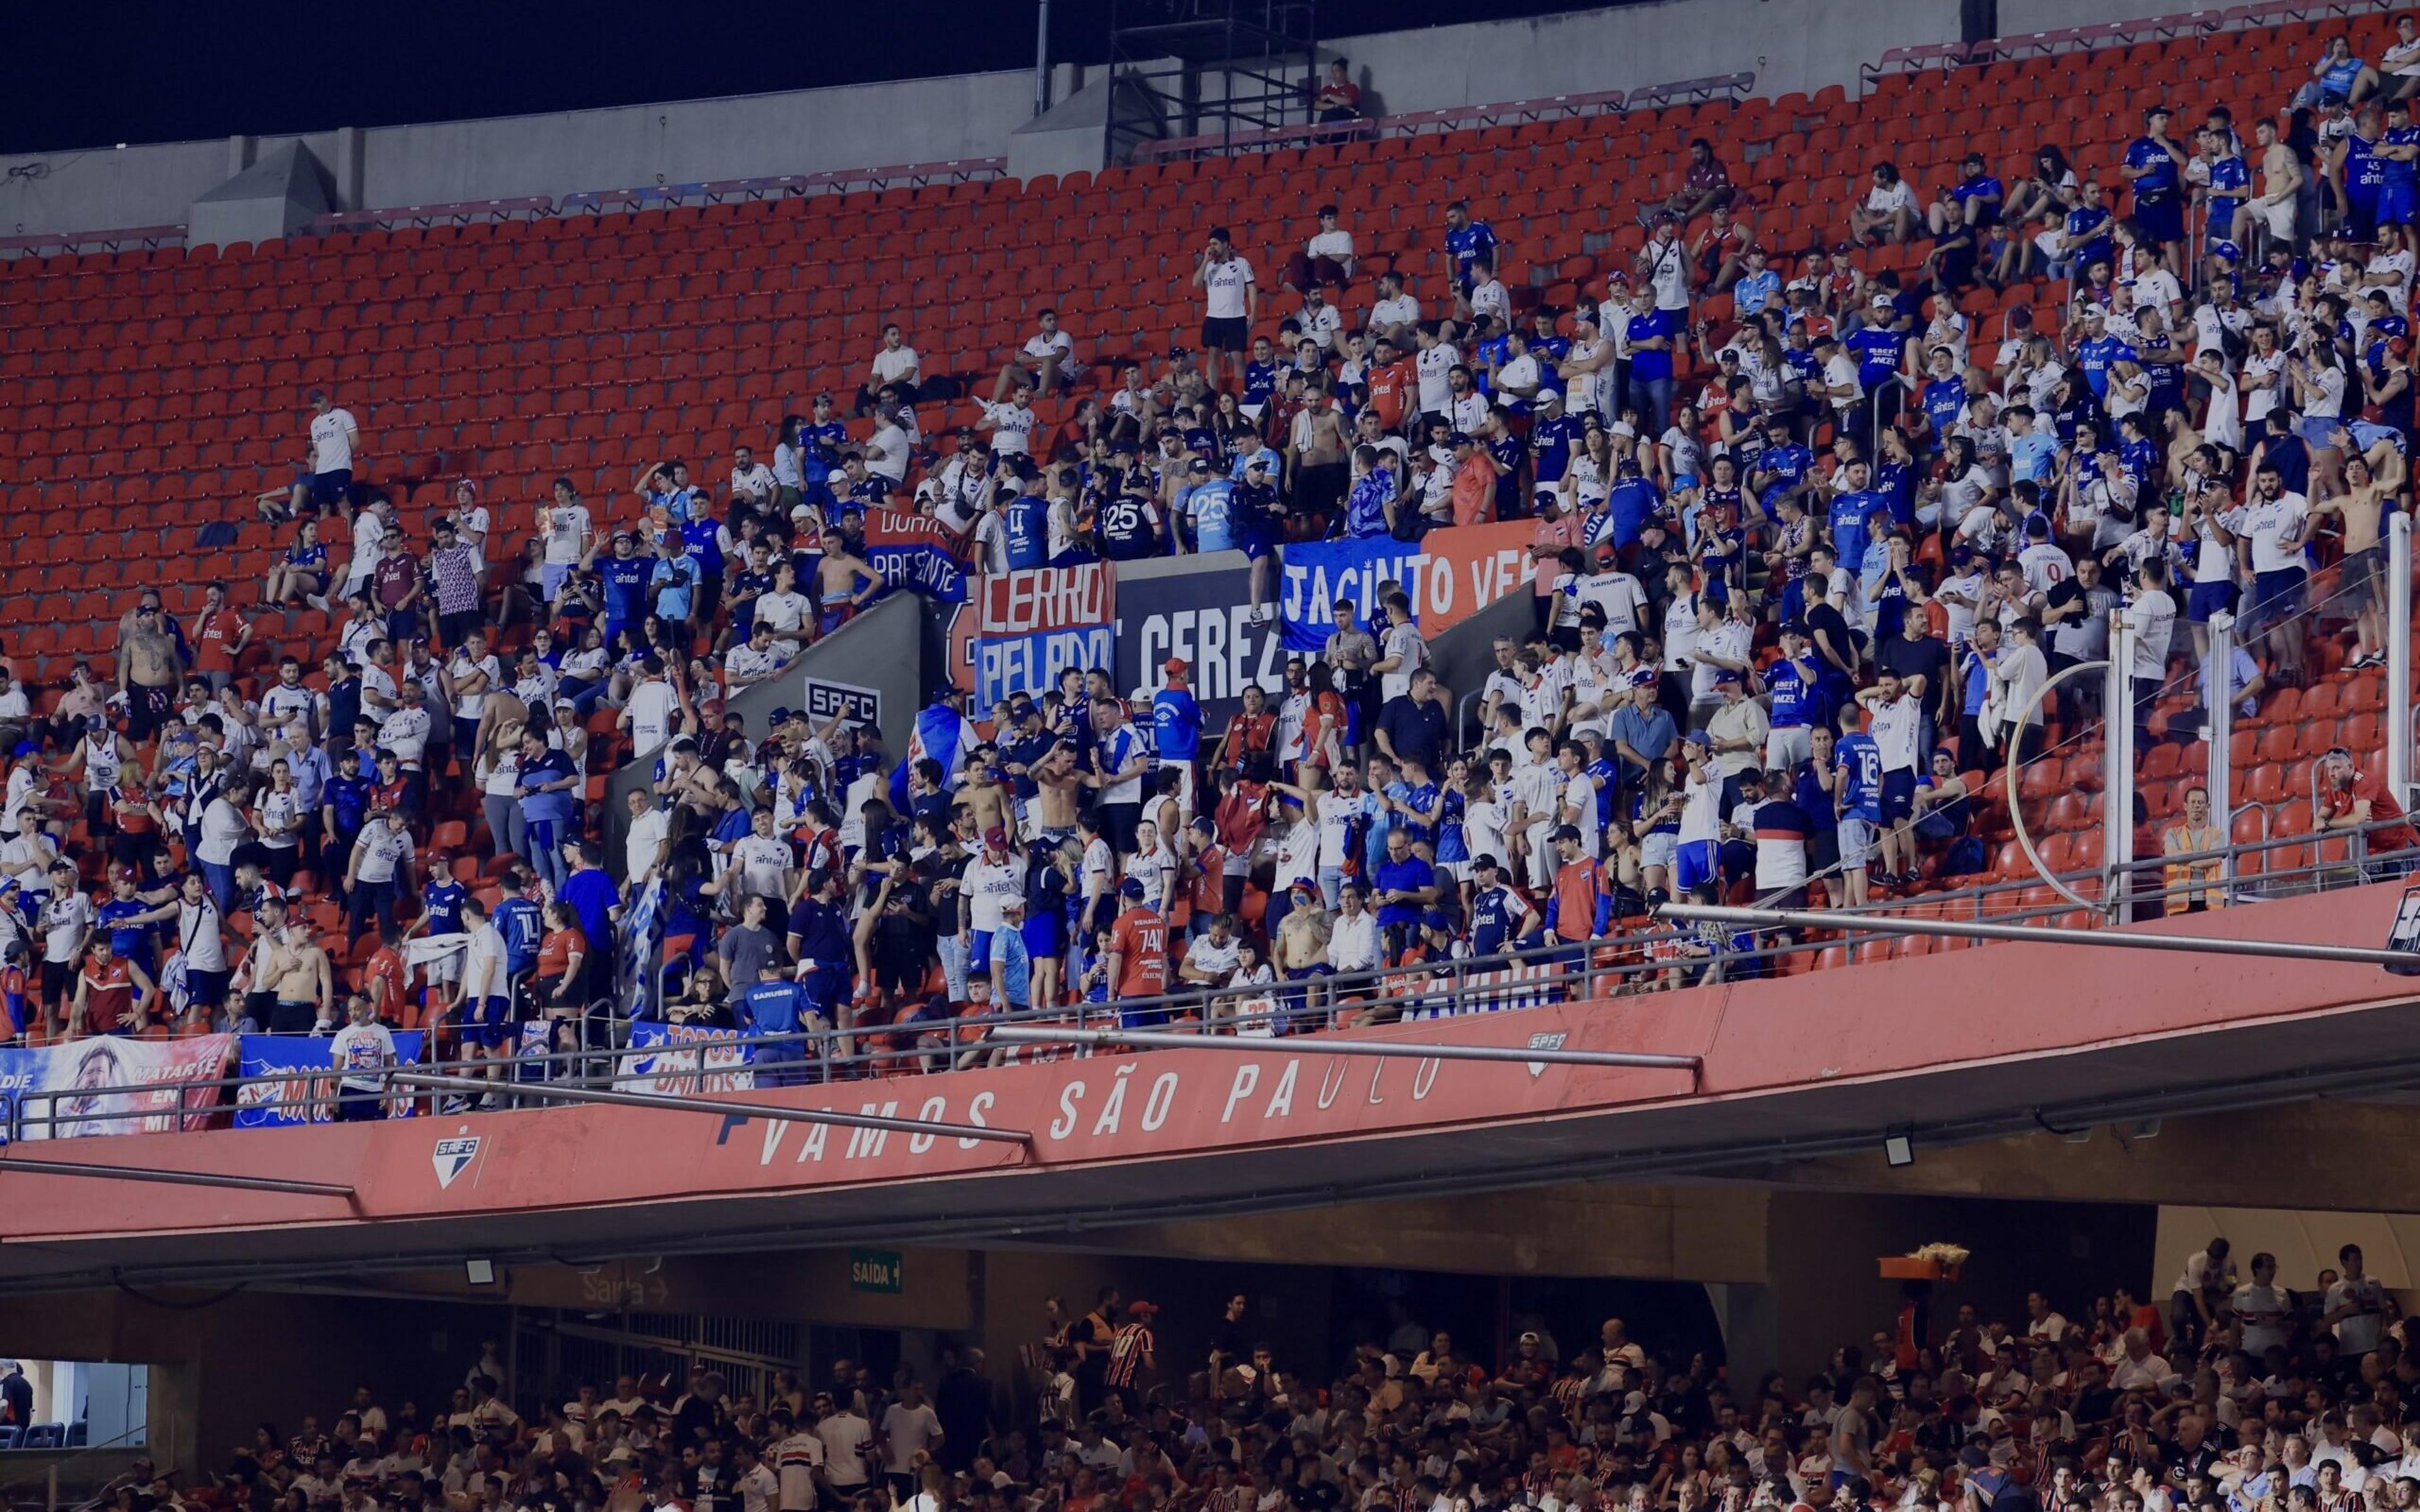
1807, 545
2234, 1394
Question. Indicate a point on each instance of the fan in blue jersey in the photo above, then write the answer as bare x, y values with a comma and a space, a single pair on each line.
1857, 799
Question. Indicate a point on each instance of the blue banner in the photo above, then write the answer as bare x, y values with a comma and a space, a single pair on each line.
1318, 572
1010, 664
261, 1104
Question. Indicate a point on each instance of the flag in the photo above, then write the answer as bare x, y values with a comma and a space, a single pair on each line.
942, 734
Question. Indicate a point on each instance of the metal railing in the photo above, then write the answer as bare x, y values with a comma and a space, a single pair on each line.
1644, 958
2017, 46
1732, 86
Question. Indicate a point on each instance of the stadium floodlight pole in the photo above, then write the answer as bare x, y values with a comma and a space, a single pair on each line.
557, 1092
1154, 1039
2350, 955
29, 1166
1042, 59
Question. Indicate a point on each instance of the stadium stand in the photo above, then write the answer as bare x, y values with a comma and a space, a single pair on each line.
159, 439
1931, 1410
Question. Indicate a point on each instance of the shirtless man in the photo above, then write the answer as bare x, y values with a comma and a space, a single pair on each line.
1300, 951
2280, 181
289, 967
990, 798
844, 584
1320, 473
2361, 578
1057, 782
148, 673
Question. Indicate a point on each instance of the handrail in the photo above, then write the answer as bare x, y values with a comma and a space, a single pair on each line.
458, 211
1452, 118
1300, 1010
151, 236
2093, 38
953, 170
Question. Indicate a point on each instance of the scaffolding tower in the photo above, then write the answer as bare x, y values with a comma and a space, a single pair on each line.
1208, 69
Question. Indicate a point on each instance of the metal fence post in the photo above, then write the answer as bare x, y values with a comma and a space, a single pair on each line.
2398, 657
2117, 771
2218, 697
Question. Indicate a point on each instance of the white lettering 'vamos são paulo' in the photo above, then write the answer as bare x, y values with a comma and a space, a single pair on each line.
1104, 1104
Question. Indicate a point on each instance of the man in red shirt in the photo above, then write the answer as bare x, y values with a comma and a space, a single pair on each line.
1392, 383
385, 979
220, 634
1138, 954
2351, 798
112, 994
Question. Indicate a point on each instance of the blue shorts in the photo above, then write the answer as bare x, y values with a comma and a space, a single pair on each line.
1045, 936
2161, 220
490, 1023
1898, 794
2276, 595
550, 580
2397, 204
1692, 865
2207, 599
1255, 545
329, 490
979, 953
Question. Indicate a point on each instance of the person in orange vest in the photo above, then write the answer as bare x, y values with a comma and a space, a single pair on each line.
1137, 956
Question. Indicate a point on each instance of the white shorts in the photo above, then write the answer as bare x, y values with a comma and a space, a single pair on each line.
1856, 843
1786, 746
1543, 860
1458, 871
2278, 218
1657, 847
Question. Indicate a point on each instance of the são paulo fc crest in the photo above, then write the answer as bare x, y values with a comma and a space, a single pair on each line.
1541, 1042
452, 1157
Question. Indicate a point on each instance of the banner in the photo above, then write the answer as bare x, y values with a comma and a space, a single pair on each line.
268, 1105
1532, 984
1206, 618
639, 932
913, 552
693, 1060
1450, 574
1035, 622
111, 1086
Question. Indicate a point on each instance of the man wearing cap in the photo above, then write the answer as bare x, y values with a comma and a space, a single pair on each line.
1475, 473
1259, 523
1501, 915
994, 875
1138, 958
1176, 728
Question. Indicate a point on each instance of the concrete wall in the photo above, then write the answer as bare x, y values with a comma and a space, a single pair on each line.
1828, 1293
1790, 45
804, 130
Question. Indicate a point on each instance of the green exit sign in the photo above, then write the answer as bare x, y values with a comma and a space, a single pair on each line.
876, 1270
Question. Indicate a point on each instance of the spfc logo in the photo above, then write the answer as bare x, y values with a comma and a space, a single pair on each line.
1537, 1041
452, 1157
